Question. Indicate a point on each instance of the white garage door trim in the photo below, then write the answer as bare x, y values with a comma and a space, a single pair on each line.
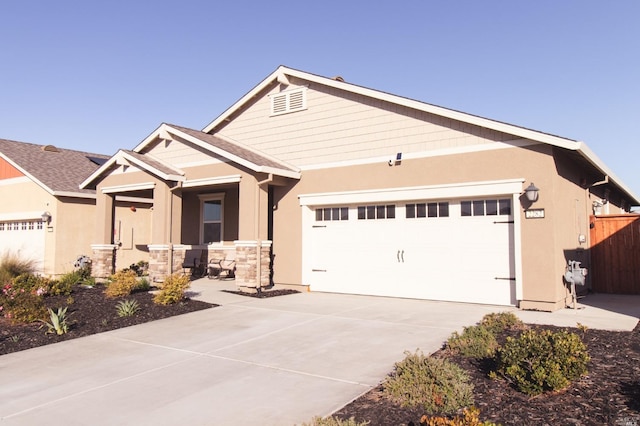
433, 192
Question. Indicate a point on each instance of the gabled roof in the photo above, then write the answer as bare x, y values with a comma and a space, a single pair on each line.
282, 74
58, 171
231, 150
145, 162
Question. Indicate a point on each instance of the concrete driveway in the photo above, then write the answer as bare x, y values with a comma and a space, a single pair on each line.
278, 361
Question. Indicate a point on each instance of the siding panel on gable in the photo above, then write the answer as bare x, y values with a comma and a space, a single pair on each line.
179, 154
342, 126
7, 171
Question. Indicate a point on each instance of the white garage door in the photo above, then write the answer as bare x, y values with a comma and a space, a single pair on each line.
25, 239
453, 250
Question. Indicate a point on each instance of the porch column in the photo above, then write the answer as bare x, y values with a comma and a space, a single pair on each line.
253, 249
166, 230
103, 258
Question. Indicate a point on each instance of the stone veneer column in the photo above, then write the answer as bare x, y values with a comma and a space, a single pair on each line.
103, 261
247, 264
159, 262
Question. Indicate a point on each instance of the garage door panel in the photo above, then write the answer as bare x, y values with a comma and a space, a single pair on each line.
453, 258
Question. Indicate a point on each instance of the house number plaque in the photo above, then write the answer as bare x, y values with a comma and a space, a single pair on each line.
534, 214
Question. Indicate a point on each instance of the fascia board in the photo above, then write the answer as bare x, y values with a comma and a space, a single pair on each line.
284, 173
152, 136
73, 194
253, 92
110, 162
150, 168
592, 158
410, 103
214, 149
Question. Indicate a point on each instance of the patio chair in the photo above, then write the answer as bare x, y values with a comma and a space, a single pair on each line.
193, 262
227, 266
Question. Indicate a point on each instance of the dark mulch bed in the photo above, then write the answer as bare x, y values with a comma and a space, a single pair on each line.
89, 313
608, 395
264, 293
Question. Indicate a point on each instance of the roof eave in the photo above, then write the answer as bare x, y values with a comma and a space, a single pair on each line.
592, 158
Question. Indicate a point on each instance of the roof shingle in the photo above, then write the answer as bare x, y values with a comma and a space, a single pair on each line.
60, 170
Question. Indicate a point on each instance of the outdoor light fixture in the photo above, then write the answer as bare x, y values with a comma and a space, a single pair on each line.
532, 192
46, 217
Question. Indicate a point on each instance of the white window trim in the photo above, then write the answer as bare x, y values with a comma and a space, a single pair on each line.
211, 197
287, 99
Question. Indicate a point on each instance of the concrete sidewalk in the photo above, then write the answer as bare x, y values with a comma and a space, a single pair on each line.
277, 361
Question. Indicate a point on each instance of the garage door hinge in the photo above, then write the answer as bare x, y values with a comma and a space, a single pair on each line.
508, 279
504, 221
318, 270
319, 226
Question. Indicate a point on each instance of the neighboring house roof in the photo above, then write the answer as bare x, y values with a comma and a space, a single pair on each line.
58, 171
146, 162
282, 74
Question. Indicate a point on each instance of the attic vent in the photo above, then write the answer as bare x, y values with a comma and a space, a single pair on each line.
289, 101
50, 148
338, 78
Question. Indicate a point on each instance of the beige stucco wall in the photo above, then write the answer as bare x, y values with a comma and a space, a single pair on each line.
543, 240
70, 231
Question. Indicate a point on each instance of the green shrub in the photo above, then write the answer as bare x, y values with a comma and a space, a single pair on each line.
57, 321
172, 290
121, 284
11, 265
127, 308
31, 283
435, 384
539, 361
21, 305
501, 321
470, 417
64, 285
333, 421
476, 341
143, 285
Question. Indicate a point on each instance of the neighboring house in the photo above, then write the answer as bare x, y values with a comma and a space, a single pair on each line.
44, 215
316, 182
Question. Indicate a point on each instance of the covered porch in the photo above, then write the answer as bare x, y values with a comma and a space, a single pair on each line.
220, 207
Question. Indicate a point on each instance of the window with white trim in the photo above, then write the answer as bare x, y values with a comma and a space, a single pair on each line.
486, 207
332, 213
212, 218
418, 210
387, 211
289, 101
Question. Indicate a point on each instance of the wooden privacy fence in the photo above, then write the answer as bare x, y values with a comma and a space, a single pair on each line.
615, 254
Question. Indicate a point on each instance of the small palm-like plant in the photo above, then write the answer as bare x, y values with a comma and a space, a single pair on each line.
127, 308
58, 321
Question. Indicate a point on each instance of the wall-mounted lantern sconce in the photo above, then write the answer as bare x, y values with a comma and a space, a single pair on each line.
532, 192
46, 217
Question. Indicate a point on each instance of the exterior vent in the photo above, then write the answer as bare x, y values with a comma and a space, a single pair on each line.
50, 148
289, 101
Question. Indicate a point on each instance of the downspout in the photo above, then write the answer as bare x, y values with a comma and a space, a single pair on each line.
268, 180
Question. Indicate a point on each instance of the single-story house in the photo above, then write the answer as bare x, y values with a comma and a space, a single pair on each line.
317, 182
44, 215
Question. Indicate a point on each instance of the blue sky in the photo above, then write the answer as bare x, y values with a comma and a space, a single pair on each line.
98, 76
